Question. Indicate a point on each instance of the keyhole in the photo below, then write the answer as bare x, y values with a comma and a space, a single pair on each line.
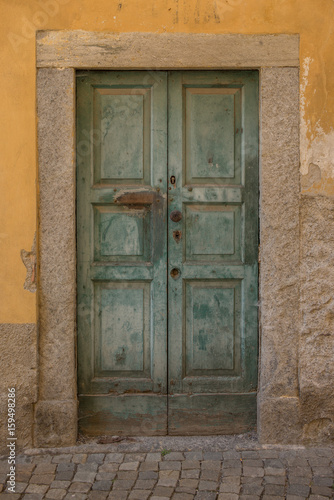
172, 179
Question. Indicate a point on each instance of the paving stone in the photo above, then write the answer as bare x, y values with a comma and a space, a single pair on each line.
134, 457
190, 464
325, 452
31, 496
80, 487
250, 454
319, 461
172, 465
105, 476
227, 496
10, 496
110, 467
42, 459
45, 469
123, 484
95, 458
118, 495
252, 489
102, 485
174, 456
129, 466
190, 474
23, 477
322, 490
274, 489
210, 475
251, 463
23, 468
37, 488
318, 497
84, 477
20, 487
144, 466
213, 455
322, 471
253, 471
233, 464
274, 462
268, 454
188, 483
87, 467
162, 491
193, 455
205, 495
159, 498
139, 494
249, 497
322, 481
169, 474
207, 485
56, 494
272, 497
182, 496
42, 478
231, 480
252, 480
153, 457
146, 484
183, 489
114, 457
274, 471
127, 474
64, 475
168, 482
97, 495
231, 472
66, 467
61, 459
211, 464
75, 496
294, 497
79, 458
60, 484
299, 480
274, 480
23, 459
229, 488
300, 471
227, 455
298, 489
149, 474
297, 462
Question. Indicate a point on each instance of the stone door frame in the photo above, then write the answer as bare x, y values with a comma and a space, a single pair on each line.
59, 55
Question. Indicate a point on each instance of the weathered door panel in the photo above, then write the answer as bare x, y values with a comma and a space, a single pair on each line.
213, 156
121, 205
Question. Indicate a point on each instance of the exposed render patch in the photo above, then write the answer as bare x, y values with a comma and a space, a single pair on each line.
29, 260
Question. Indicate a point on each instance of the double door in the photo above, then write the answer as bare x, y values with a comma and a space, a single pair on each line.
167, 239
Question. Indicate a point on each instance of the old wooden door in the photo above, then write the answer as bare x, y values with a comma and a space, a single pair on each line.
167, 193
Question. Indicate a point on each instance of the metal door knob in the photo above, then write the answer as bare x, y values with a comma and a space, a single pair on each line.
175, 216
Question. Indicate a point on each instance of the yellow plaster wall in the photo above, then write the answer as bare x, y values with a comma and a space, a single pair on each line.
19, 20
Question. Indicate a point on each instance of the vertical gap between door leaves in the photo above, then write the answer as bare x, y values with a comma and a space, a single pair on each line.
167, 267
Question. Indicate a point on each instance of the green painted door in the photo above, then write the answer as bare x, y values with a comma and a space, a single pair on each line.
167, 232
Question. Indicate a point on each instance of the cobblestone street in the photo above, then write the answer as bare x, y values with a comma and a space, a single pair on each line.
119, 472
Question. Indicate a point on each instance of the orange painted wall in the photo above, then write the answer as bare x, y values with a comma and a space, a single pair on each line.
19, 20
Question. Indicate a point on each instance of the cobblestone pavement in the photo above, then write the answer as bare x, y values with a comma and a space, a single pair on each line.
290, 473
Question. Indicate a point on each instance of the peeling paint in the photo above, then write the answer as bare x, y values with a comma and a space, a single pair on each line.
29, 260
